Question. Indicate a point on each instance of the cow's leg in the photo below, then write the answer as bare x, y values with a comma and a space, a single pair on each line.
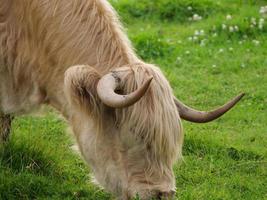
5, 127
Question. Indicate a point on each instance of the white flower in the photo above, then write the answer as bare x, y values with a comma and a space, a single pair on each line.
243, 65
189, 8
195, 38
228, 17
261, 22
231, 49
236, 28
179, 41
214, 66
199, 32
196, 17
214, 35
190, 38
178, 59
231, 29
240, 42
221, 50
224, 26
263, 10
253, 21
187, 52
202, 43
256, 42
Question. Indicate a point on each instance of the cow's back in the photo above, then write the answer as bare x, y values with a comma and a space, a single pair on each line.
40, 39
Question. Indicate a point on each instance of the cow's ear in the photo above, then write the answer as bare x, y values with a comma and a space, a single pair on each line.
80, 85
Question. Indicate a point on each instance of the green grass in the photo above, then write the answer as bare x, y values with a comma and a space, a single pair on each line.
225, 159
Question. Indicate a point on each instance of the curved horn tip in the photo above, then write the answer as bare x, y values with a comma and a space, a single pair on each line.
146, 84
240, 96
143, 89
149, 80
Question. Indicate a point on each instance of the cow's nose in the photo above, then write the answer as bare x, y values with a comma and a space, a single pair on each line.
166, 195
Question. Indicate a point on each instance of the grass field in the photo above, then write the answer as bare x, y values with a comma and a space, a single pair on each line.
208, 58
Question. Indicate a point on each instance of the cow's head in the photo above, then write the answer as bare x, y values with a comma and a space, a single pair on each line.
127, 124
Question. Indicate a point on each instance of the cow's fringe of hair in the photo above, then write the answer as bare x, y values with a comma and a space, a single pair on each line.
154, 118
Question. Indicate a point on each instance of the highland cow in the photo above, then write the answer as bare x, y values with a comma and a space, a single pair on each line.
75, 56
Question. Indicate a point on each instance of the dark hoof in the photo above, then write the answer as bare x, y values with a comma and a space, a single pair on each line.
5, 127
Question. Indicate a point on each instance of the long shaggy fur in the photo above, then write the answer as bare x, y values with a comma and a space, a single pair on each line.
130, 150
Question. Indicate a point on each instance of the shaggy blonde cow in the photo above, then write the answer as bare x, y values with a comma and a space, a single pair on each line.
74, 56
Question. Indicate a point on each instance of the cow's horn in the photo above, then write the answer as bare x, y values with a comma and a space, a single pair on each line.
109, 83
192, 115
